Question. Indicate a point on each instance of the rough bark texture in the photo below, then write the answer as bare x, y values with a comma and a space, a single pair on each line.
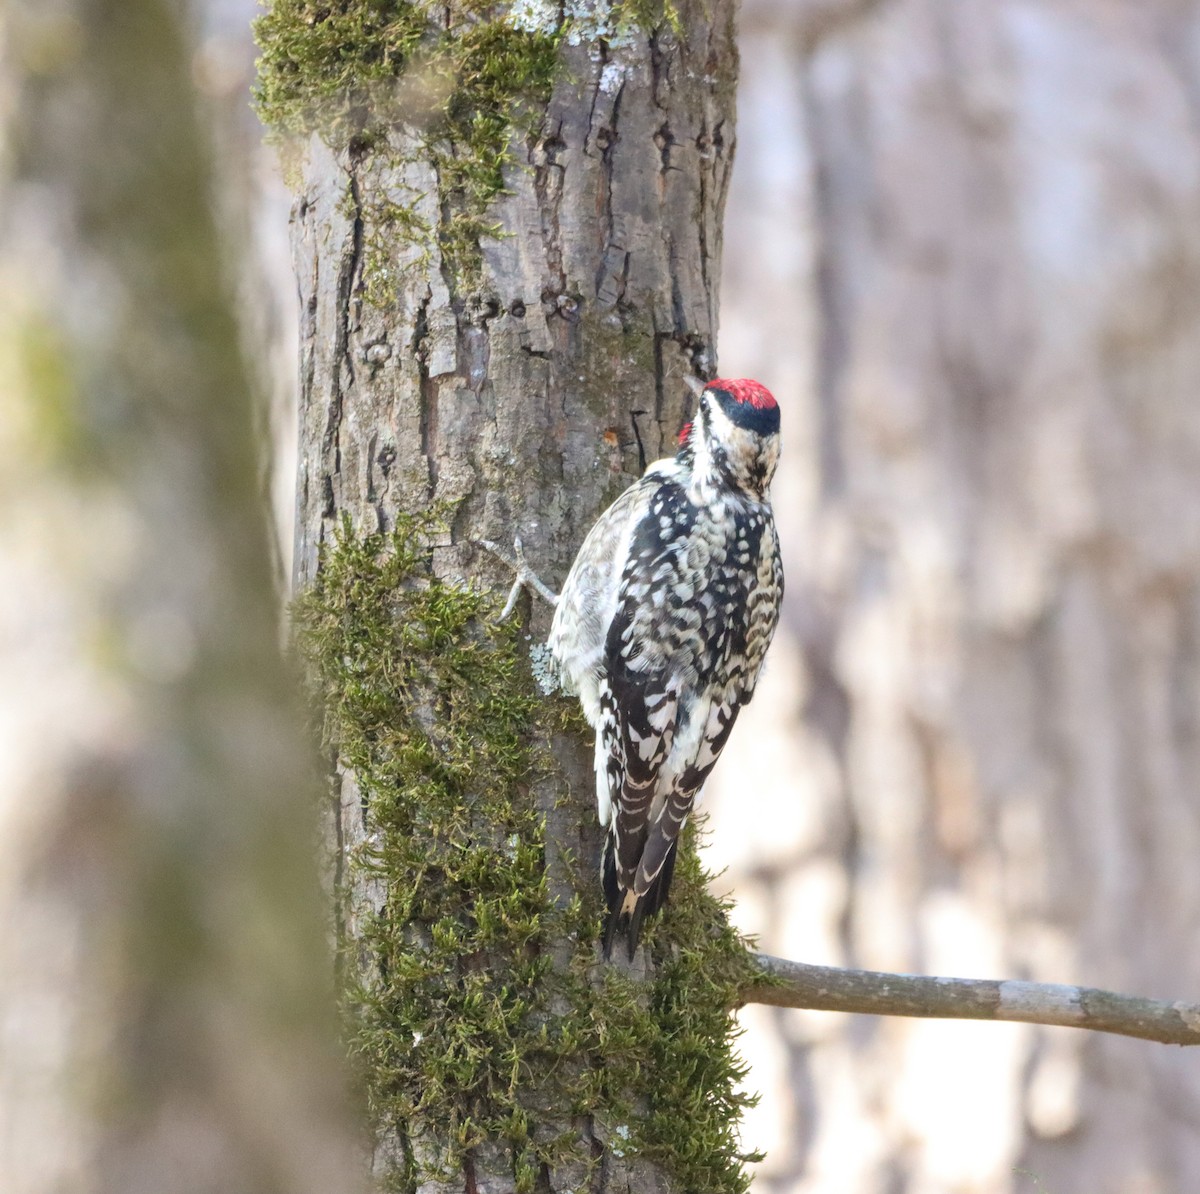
989, 218
523, 400
530, 402
166, 1020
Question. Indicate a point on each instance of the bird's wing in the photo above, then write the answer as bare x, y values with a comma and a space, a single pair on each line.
697, 607
652, 663
588, 600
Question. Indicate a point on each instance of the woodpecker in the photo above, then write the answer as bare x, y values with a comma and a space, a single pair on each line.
661, 629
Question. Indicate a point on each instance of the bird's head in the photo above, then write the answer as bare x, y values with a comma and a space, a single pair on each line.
734, 436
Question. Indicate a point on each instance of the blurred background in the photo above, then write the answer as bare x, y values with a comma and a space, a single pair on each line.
963, 249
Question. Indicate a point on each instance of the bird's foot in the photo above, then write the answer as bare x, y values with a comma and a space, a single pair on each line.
526, 578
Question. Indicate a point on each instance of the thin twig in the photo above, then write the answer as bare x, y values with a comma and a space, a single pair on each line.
826, 988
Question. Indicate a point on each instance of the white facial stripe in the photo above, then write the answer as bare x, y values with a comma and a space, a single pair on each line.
747, 453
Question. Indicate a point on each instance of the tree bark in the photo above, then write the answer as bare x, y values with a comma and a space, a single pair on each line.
165, 1015
529, 402
991, 541
516, 393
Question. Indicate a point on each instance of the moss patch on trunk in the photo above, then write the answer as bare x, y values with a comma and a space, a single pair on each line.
461, 79
478, 1012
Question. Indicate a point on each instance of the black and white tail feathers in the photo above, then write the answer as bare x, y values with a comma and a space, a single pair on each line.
626, 909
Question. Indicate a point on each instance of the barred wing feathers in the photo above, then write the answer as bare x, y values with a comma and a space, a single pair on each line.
587, 606
695, 610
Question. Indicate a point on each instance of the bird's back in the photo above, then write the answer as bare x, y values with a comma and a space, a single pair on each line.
661, 630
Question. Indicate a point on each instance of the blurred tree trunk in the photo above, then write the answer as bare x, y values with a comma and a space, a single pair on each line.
995, 537
165, 1013
511, 356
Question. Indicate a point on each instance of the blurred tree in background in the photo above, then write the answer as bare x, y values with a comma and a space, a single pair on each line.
166, 1014
964, 241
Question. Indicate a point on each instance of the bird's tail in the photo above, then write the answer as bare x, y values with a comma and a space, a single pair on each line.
627, 909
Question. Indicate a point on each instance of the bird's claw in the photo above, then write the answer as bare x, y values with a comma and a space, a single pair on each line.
526, 578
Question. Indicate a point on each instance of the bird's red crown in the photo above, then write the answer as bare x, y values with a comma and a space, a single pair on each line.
745, 390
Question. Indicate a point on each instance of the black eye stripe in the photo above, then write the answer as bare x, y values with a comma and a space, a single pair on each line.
763, 420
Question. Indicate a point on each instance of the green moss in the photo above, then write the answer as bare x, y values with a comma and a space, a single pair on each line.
648, 14
470, 1031
674, 1046
385, 224
495, 64
326, 64
352, 69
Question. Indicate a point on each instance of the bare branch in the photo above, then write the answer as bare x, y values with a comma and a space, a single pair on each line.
827, 988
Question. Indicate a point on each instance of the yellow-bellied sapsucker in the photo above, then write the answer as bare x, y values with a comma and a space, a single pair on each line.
661, 629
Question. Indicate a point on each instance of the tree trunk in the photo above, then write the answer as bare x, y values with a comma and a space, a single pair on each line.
509, 356
166, 1019
992, 543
